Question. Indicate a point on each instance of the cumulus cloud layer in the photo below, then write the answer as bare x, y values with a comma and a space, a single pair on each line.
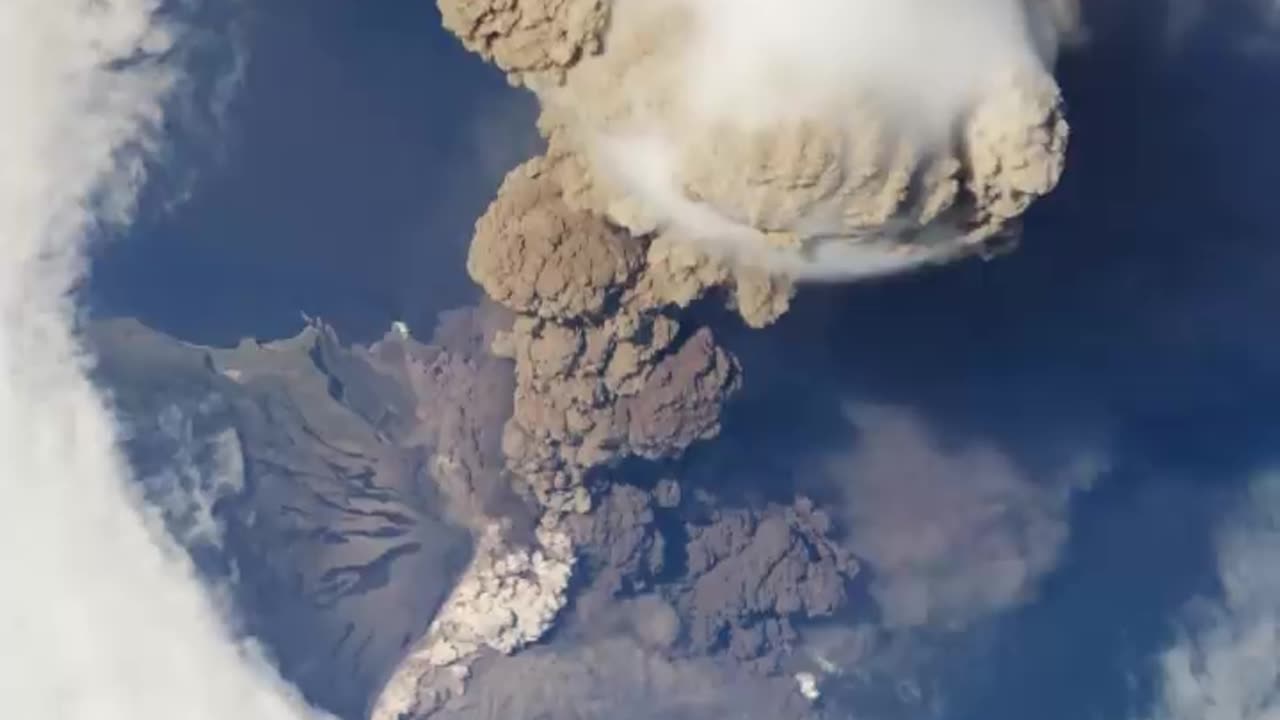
1226, 663
102, 617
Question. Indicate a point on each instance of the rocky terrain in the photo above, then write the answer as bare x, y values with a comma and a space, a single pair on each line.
354, 504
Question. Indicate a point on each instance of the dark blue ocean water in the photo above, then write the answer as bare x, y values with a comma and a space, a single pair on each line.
356, 155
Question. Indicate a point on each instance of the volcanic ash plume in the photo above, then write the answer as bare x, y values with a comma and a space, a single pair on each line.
603, 371
708, 148
815, 138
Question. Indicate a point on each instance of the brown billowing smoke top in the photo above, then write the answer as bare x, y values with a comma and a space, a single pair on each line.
809, 138
604, 369
522, 37
537, 257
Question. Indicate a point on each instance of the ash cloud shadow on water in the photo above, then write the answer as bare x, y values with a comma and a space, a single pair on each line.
359, 149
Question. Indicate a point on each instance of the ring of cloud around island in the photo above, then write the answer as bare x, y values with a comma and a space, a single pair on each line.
102, 615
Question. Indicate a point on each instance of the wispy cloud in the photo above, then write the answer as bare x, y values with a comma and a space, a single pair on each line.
101, 617
1225, 664
1250, 25
951, 534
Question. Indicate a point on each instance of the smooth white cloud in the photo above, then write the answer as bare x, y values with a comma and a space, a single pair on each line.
1226, 662
101, 616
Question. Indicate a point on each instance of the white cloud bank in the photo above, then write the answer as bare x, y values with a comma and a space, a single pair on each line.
1226, 664
101, 618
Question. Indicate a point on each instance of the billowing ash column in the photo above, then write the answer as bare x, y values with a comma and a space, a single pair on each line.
719, 149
